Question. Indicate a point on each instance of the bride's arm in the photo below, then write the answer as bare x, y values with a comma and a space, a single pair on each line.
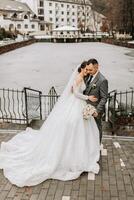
76, 90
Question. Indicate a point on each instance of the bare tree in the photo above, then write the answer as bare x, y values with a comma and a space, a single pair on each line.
119, 13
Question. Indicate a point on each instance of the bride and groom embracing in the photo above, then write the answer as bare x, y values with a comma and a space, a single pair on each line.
67, 144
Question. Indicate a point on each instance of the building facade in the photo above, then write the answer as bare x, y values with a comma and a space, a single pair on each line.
58, 13
16, 16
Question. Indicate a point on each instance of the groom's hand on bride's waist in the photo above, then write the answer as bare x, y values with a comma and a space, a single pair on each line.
93, 98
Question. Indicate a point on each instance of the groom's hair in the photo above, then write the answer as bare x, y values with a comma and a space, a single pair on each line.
92, 61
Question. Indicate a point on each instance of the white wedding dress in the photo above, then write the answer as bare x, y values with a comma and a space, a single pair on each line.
64, 147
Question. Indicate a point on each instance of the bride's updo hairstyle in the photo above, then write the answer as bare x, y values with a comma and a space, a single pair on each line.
82, 66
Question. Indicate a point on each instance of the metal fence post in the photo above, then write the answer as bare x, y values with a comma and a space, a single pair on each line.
40, 93
114, 112
26, 106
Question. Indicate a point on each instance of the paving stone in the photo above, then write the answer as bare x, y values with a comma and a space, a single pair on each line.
74, 195
82, 198
113, 182
8, 186
3, 195
12, 192
52, 189
76, 185
66, 198
50, 198
67, 190
43, 194
34, 197
91, 176
18, 196
83, 190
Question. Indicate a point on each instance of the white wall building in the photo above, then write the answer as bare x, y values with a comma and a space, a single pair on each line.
57, 13
17, 16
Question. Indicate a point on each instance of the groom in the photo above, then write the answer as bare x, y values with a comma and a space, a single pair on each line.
97, 87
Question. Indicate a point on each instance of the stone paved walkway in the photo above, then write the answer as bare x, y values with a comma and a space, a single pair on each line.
115, 180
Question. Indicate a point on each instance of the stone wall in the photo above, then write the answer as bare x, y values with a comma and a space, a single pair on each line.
16, 45
118, 43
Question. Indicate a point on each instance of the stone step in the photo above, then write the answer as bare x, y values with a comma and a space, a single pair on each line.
36, 124
12, 126
9, 131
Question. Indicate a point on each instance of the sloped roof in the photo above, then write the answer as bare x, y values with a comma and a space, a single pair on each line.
14, 6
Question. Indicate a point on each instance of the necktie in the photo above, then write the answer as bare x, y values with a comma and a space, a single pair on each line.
89, 81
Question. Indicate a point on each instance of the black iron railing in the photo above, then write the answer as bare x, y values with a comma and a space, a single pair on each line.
33, 105
23, 106
12, 105
48, 102
120, 108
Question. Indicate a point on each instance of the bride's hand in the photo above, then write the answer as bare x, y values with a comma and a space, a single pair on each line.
92, 98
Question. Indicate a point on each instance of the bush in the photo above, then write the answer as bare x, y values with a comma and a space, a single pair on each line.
6, 34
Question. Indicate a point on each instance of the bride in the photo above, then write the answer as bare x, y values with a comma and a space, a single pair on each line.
64, 147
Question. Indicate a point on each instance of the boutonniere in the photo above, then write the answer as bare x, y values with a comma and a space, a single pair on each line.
94, 86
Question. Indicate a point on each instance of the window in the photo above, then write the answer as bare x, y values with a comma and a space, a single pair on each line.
62, 19
73, 20
73, 13
14, 15
62, 12
50, 11
68, 6
26, 26
41, 18
56, 19
11, 26
51, 19
41, 3
25, 17
62, 5
34, 16
41, 11
5, 15
33, 26
68, 19
19, 26
67, 13
42, 28
72, 6
50, 4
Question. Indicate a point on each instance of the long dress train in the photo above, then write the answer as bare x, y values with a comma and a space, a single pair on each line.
64, 147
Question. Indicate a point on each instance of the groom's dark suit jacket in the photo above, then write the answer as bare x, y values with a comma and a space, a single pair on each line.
99, 88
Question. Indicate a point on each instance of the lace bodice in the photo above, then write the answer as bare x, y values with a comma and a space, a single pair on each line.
78, 91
